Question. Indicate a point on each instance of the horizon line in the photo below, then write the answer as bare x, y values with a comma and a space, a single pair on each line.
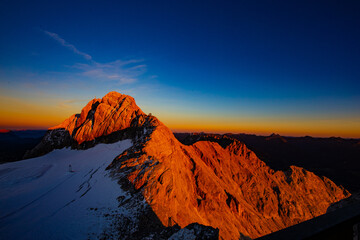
199, 132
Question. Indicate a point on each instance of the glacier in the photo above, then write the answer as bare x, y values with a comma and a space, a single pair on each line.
41, 199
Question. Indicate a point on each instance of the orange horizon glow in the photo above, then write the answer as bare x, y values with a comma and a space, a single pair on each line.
214, 72
44, 124
43, 113
297, 128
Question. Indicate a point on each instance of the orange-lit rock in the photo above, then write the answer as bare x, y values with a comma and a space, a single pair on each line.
226, 187
101, 117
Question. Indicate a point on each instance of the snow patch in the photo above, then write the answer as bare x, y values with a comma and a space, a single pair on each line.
41, 199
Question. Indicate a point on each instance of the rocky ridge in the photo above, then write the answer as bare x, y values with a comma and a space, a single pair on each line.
136, 220
114, 117
216, 183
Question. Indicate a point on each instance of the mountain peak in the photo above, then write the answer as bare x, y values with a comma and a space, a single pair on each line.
278, 137
114, 112
115, 95
111, 118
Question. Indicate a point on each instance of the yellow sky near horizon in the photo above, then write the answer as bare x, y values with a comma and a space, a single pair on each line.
17, 113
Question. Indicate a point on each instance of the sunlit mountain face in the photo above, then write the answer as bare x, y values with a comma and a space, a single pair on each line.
112, 153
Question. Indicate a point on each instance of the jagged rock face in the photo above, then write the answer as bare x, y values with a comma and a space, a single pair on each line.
142, 222
221, 184
101, 117
227, 188
114, 117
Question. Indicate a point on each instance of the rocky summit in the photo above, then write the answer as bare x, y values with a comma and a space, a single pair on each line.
211, 182
100, 117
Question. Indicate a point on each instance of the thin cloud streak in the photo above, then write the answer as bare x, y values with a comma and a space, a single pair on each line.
122, 71
62, 41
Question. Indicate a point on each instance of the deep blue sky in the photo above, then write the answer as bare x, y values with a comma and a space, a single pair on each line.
249, 66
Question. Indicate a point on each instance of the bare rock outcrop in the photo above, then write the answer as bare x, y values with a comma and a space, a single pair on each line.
112, 118
224, 187
101, 117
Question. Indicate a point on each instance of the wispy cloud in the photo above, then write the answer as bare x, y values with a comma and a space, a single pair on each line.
119, 70
60, 40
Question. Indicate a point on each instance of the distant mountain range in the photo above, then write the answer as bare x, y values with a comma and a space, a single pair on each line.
146, 183
335, 158
14, 144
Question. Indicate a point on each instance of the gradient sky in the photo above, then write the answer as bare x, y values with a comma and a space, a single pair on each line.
290, 67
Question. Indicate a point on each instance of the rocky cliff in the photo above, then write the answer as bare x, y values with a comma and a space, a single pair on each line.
112, 118
216, 183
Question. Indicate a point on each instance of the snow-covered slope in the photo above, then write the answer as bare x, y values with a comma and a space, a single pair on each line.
41, 199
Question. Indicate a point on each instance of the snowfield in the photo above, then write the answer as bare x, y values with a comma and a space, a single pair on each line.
41, 199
